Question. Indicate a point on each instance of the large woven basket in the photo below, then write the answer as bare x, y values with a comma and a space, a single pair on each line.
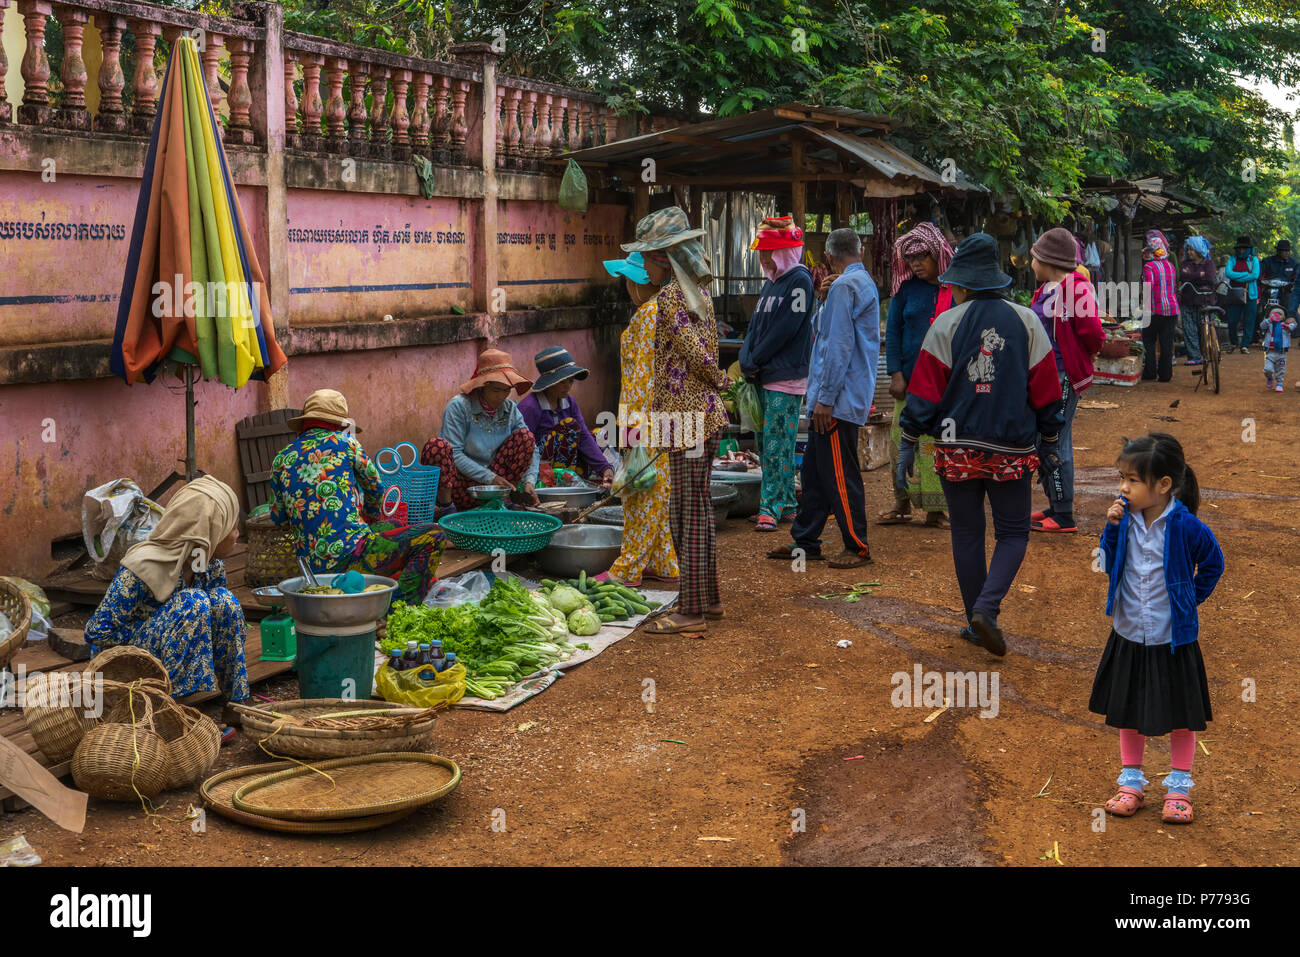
120, 762
126, 664
272, 556
279, 737
18, 609
192, 739
55, 721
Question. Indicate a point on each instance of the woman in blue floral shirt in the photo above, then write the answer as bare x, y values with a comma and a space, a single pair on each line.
319, 482
170, 597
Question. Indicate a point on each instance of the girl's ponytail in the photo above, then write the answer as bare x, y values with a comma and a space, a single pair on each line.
1188, 491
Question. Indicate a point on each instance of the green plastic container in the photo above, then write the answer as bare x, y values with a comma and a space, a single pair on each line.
336, 662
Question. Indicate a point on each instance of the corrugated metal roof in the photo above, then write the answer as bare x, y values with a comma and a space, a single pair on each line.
885, 158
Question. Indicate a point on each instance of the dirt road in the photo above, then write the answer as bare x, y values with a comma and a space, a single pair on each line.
781, 731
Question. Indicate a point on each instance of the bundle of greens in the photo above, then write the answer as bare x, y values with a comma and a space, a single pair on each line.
500, 639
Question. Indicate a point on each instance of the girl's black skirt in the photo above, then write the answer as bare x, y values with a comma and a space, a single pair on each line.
1147, 689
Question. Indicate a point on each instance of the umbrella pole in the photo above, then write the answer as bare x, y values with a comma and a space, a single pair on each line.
190, 468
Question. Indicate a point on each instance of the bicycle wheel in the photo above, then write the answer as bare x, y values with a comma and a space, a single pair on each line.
1210, 352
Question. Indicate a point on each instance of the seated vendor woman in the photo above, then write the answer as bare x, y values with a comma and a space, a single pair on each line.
318, 480
484, 439
563, 439
170, 597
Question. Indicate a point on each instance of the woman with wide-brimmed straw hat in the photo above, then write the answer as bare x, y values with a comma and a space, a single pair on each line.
916, 299
647, 552
170, 596
321, 481
687, 414
774, 357
985, 385
552, 414
484, 439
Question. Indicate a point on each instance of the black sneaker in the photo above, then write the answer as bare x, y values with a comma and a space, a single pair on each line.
990, 635
967, 635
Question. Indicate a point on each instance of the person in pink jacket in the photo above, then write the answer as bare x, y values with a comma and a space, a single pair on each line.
1067, 306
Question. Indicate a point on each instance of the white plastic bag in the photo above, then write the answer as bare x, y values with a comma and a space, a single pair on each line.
456, 591
114, 517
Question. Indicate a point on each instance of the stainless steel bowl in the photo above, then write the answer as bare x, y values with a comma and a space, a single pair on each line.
581, 548
749, 489
608, 515
488, 493
337, 610
572, 497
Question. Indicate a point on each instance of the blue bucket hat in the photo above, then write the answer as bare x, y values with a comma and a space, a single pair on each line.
975, 266
633, 267
555, 365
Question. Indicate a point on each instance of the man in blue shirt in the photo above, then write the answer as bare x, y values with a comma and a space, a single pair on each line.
841, 385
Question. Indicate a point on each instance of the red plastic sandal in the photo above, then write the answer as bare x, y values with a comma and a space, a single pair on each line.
1126, 802
1177, 810
1049, 524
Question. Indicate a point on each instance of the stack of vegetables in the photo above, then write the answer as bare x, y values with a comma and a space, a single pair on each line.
609, 600
508, 635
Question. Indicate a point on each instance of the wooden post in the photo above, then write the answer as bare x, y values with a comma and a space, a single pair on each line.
726, 258
798, 188
697, 207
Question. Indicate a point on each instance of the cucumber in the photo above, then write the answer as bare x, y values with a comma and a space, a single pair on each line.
548, 583
606, 618
582, 578
641, 609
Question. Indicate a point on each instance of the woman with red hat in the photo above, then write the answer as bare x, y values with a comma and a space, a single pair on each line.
774, 357
484, 439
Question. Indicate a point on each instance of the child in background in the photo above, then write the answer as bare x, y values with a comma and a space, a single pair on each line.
1276, 330
1162, 562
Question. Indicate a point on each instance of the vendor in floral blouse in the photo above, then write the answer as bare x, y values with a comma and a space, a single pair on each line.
484, 439
170, 596
317, 483
552, 415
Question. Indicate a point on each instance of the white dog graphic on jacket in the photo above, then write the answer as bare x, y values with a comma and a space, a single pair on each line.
980, 368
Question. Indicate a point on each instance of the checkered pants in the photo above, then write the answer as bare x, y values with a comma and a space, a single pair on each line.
690, 516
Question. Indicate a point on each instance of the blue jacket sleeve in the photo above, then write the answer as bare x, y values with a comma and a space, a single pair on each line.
1208, 558
894, 334
1109, 541
836, 324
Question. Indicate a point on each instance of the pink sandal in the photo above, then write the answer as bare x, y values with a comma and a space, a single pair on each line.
765, 523
1126, 802
1177, 810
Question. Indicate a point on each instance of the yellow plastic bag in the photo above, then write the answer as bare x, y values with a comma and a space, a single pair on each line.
413, 688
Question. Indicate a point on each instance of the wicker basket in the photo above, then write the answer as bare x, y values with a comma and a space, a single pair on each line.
192, 739
57, 725
126, 664
18, 609
282, 738
118, 762
272, 556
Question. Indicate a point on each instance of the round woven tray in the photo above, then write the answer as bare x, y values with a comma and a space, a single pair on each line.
360, 787
218, 790
310, 743
18, 609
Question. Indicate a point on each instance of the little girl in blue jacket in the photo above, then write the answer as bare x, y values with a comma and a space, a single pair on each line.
1162, 562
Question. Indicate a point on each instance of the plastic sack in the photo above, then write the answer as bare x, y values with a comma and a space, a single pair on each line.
626, 479
16, 852
456, 591
750, 406
573, 189
114, 517
421, 687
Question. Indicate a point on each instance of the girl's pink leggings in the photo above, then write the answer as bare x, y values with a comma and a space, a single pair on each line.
1182, 748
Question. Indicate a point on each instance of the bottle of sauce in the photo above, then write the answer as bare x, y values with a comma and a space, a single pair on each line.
436, 657
395, 659
424, 656
410, 657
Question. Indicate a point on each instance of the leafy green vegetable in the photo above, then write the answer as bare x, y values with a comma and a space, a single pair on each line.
584, 621
566, 599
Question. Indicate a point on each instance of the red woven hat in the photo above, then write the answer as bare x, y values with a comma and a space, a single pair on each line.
778, 232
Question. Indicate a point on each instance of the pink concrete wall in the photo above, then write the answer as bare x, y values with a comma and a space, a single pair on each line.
105, 430
551, 256
63, 250
365, 255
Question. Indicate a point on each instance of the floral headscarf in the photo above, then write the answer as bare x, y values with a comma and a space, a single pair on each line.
1159, 245
924, 238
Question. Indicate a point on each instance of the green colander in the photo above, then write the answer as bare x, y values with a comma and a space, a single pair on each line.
487, 530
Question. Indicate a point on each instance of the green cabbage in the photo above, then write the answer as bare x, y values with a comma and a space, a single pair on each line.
584, 621
567, 599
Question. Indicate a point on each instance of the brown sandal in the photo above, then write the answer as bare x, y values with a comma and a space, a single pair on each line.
714, 612
665, 626
894, 516
1126, 802
1177, 809
786, 553
848, 559
941, 523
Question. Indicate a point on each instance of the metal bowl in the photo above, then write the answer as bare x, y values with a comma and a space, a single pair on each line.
581, 548
608, 515
337, 610
572, 496
724, 496
488, 493
749, 489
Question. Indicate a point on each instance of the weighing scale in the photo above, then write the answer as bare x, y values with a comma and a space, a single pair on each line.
279, 635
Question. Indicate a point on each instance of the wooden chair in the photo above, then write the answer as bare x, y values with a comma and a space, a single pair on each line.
260, 438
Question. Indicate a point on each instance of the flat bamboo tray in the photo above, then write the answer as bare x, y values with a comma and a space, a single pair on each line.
284, 737
218, 790
356, 787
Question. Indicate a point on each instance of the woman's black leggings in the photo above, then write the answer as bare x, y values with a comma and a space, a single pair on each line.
984, 585
1159, 330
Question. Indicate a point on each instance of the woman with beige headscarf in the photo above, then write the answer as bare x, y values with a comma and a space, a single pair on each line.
170, 596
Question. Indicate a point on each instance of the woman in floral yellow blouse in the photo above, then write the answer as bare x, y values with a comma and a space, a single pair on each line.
647, 543
686, 406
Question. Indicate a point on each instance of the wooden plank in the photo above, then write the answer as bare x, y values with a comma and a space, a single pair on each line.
40, 657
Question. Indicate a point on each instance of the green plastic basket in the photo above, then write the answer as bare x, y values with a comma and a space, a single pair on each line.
487, 530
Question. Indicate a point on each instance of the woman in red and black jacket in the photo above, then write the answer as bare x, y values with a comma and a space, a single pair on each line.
985, 386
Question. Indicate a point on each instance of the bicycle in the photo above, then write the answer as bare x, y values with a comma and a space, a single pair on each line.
1207, 374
